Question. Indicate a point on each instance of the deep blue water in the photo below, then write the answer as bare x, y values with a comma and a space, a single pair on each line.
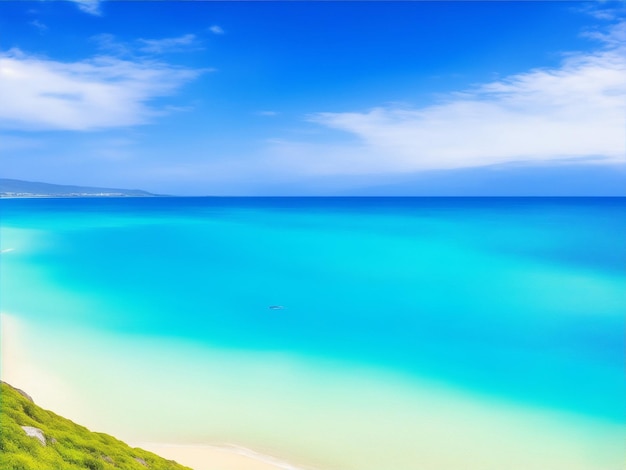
517, 298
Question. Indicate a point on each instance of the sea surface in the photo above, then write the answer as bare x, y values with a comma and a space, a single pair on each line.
400, 320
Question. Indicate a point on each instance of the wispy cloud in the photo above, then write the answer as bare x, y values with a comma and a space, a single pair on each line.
101, 92
168, 45
91, 7
111, 45
108, 44
602, 10
215, 29
42, 28
573, 112
615, 36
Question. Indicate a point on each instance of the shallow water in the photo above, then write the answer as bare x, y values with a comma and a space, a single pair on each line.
512, 301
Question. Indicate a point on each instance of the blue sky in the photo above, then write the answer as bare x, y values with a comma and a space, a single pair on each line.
316, 98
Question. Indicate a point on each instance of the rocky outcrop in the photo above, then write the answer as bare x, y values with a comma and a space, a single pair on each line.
36, 433
21, 392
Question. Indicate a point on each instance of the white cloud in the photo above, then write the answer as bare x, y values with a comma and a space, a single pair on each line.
91, 7
102, 92
39, 26
614, 37
215, 29
161, 46
574, 112
108, 44
602, 10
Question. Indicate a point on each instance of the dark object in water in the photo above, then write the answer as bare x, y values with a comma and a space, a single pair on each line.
276, 307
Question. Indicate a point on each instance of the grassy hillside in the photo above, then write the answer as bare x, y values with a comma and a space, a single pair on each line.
68, 445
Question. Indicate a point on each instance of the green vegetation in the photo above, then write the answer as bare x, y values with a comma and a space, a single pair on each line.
68, 445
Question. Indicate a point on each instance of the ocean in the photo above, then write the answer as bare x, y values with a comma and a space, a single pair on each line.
404, 333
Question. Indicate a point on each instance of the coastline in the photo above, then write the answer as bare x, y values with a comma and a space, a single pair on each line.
224, 457
18, 369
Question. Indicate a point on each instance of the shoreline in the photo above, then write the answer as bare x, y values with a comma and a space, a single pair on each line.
17, 370
208, 456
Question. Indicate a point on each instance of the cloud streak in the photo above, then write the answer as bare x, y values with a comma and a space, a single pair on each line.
573, 112
91, 7
42, 28
168, 45
215, 29
102, 92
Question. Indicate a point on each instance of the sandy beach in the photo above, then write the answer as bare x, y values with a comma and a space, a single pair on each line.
208, 457
18, 369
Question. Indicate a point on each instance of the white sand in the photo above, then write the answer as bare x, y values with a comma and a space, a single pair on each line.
207, 457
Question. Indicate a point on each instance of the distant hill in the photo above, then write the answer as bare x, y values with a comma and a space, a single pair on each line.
35, 439
19, 188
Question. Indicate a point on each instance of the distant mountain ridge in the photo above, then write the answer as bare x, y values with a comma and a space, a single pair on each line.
19, 188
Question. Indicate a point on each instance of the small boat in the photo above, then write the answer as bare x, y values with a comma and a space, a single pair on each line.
276, 307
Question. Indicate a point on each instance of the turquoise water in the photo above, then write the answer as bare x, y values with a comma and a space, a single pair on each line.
516, 299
